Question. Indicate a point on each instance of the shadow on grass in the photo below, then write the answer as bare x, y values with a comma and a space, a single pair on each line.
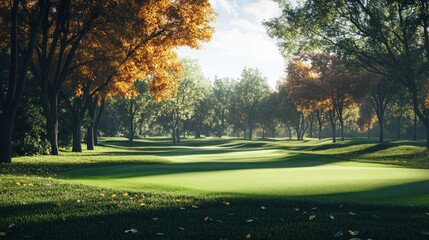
214, 220
132, 170
413, 193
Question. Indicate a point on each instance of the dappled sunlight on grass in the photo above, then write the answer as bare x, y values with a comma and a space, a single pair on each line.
219, 188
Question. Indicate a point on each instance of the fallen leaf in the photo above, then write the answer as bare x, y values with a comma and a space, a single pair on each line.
314, 208
142, 204
182, 208
263, 207
102, 194
250, 220
331, 217
113, 195
2, 234
29, 185
353, 233
125, 194
220, 221
248, 236
427, 213
19, 184
194, 206
311, 217
338, 234
226, 203
206, 218
425, 232
183, 229
155, 219
296, 209
160, 234
352, 214
132, 230
11, 225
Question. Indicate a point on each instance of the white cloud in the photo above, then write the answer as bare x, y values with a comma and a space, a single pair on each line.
247, 44
263, 10
247, 25
225, 5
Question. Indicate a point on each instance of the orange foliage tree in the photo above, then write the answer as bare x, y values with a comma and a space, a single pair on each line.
322, 83
139, 45
122, 40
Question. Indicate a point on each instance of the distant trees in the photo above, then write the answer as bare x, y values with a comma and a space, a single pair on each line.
251, 90
223, 92
390, 38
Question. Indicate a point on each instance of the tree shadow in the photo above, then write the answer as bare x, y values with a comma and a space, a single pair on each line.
280, 219
128, 170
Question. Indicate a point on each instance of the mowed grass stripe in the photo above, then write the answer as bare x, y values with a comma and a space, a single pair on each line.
261, 172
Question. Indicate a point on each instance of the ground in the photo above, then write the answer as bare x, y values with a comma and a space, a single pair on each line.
220, 189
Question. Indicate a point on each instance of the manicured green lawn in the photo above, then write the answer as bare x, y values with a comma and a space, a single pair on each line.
220, 189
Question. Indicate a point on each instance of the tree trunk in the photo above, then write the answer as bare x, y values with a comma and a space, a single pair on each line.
250, 133
6, 134
90, 129
415, 127
131, 132
77, 137
427, 135
311, 128
52, 131
342, 129
381, 123
97, 121
90, 137
178, 134
398, 127
173, 136
333, 126
369, 132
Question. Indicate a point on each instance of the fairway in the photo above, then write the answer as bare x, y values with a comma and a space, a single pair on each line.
259, 171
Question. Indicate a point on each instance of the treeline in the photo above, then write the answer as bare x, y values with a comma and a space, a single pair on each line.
321, 96
63, 58
339, 45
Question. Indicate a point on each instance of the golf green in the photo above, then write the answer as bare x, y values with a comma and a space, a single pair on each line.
262, 172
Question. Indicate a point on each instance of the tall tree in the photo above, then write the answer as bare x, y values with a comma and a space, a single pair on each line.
20, 22
223, 90
181, 106
251, 91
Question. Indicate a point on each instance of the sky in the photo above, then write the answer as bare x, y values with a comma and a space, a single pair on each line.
240, 40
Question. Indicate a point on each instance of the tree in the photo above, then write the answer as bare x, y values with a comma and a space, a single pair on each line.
380, 92
19, 25
367, 117
223, 90
250, 92
181, 105
338, 87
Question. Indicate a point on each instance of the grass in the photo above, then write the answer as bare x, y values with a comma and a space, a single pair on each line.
220, 189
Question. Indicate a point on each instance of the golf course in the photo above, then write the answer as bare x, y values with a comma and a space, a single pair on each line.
220, 189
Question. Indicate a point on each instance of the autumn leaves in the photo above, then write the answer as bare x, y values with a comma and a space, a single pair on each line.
81, 52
